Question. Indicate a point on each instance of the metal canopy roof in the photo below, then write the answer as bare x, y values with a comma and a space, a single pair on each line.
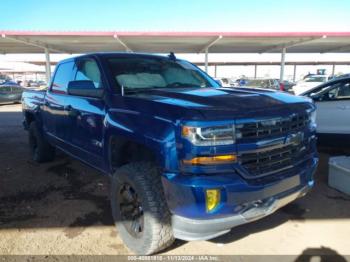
236, 63
180, 42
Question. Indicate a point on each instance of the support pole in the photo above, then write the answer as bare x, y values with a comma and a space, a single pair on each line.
47, 66
333, 69
283, 60
255, 70
206, 60
294, 72
215, 70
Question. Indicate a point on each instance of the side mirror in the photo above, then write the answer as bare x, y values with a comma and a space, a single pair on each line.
84, 88
316, 97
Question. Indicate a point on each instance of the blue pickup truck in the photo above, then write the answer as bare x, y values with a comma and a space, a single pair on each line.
187, 158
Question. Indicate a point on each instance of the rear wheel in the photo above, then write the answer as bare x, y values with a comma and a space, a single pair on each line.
41, 150
139, 208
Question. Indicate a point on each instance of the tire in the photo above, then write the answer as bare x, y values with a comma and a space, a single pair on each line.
40, 149
152, 231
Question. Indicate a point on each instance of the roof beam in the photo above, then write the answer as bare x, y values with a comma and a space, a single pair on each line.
34, 43
337, 49
290, 44
127, 48
213, 42
243, 63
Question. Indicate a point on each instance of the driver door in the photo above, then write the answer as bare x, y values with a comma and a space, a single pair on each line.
85, 116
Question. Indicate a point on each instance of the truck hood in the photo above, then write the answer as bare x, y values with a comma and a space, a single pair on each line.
212, 103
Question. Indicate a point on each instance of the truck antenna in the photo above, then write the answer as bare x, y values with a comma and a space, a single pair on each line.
172, 56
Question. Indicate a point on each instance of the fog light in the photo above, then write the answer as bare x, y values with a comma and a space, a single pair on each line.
212, 199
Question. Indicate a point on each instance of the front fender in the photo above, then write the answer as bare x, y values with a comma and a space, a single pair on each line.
155, 133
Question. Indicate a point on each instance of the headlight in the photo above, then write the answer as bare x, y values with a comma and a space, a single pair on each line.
210, 136
312, 118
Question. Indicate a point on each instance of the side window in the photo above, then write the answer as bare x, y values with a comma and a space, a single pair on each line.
5, 89
87, 69
62, 76
338, 91
343, 91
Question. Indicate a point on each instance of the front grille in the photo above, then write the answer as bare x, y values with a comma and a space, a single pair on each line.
271, 161
271, 127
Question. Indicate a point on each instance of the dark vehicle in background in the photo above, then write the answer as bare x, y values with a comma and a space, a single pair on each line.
10, 94
340, 76
187, 159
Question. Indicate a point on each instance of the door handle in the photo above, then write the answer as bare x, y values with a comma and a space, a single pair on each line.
68, 108
71, 111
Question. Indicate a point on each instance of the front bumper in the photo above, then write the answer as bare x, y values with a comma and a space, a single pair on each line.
195, 229
241, 201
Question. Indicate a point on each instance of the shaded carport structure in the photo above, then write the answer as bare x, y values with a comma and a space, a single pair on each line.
179, 42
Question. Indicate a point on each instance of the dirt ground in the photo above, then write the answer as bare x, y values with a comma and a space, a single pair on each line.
62, 208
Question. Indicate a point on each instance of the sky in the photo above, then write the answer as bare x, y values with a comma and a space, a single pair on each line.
175, 15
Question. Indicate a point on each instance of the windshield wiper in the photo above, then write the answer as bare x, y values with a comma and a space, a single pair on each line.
140, 90
180, 85
129, 90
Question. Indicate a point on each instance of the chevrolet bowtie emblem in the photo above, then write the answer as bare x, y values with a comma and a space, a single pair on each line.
295, 139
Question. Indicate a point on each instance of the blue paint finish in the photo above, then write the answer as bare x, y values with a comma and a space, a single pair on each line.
154, 119
186, 196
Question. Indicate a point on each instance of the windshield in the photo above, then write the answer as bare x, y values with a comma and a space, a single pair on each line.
316, 79
144, 73
260, 83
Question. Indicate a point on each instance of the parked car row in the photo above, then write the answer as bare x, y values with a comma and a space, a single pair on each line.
11, 91
267, 83
10, 94
274, 84
34, 84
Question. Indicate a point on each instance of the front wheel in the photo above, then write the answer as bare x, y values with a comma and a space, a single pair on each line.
139, 208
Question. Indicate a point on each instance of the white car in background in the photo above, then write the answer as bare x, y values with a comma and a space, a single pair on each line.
308, 83
332, 100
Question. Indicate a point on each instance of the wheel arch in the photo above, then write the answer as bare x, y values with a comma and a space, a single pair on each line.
123, 150
147, 137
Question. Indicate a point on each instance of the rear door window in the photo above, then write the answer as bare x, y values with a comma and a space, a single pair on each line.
5, 89
62, 77
16, 89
